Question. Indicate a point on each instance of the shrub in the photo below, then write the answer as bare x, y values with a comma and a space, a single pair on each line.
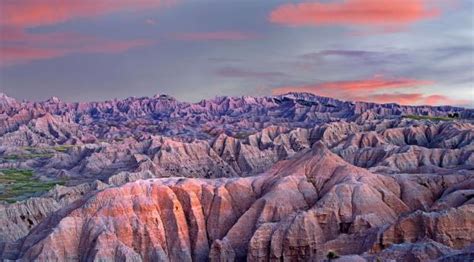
332, 255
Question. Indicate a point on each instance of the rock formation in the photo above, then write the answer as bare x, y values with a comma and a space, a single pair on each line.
293, 177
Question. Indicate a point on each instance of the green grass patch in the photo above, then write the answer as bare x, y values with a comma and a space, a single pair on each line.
29, 148
432, 118
28, 156
20, 184
63, 148
38, 152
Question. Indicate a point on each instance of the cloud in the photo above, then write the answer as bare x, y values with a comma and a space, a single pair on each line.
415, 99
374, 84
22, 48
33, 13
110, 47
369, 85
399, 98
151, 21
18, 45
342, 53
377, 89
224, 60
347, 56
218, 35
16, 55
390, 15
241, 73
444, 100
348, 89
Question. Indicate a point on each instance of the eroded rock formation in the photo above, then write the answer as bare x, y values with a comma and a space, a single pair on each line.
293, 178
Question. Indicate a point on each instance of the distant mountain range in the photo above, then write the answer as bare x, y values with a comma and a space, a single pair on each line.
195, 120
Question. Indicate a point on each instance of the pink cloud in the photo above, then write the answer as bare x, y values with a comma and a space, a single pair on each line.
415, 99
22, 48
374, 84
18, 46
218, 35
107, 46
399, 98
15, 55
377, 89
151, 21
347, 88
389, 14
444, 100
32, 13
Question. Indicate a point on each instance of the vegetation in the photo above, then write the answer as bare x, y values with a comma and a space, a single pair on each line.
19, 184
38, 152
28, 156
432, 118
63, 148
332, 255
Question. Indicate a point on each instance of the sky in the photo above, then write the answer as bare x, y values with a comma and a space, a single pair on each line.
418, 52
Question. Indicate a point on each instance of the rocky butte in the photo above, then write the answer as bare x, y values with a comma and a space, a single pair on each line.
295, 177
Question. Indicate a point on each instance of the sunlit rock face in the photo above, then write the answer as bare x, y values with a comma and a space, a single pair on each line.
294, 177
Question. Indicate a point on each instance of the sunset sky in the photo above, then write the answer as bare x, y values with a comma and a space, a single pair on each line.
403, 51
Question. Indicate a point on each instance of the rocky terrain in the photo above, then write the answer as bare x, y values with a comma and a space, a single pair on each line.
294, 177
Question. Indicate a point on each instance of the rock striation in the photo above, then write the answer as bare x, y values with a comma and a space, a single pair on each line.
300, 209
294, 177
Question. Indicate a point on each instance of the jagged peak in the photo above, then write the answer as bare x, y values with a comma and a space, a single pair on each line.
7, 102
4, 97
54, 99
298, 94
305, 95
163, 97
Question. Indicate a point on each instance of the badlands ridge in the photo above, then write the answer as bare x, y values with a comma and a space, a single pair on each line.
294, 177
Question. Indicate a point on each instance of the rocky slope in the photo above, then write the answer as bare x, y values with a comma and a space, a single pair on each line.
300, 209
242, 136
294, 177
